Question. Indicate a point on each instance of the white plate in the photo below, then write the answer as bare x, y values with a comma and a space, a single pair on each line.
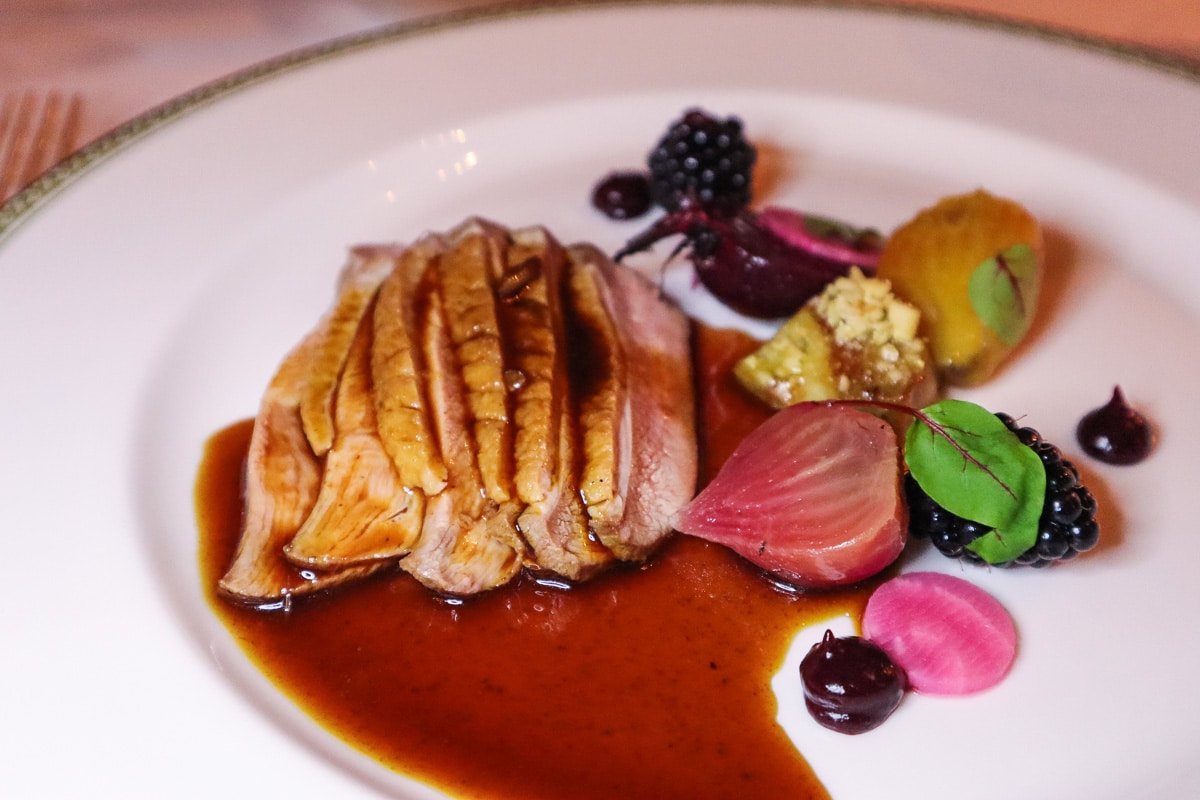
148, 290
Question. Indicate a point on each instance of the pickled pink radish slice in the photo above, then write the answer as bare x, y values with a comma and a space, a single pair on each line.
812, 495
793, 228
948, 635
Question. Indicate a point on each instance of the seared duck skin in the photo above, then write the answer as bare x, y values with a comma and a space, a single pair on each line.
469, 298
398, 369
639, 418
534, 310
438, 419
332, 345
469, 542
283, 474
363, 511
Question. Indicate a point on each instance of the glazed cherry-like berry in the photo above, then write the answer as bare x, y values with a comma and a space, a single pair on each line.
850, 684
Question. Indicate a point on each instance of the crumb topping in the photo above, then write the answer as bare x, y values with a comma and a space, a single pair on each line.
858, 308
875, 331
854, 340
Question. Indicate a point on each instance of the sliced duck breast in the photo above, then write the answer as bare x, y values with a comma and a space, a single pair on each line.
398, 369
642, 403
360, 282
531, 314
473, 404
469, 542
283, 474
465, 272
363, 511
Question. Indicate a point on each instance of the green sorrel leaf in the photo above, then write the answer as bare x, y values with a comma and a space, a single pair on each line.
972, 465
1003, 292
825, 228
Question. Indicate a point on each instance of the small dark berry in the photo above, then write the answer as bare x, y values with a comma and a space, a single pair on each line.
1047, 452
1084, 534
948, 543
1087, 501
969, 531
1051, 544
937, 520
1029, 558
1061, 477
623, 195
1064, 508
1028, 436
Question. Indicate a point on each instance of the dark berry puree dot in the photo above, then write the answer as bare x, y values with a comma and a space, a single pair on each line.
1115, 433
850, 684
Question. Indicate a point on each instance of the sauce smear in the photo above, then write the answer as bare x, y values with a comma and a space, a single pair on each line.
651, 681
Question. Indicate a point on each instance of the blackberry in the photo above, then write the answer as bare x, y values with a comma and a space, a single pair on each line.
703, 159
1067, 526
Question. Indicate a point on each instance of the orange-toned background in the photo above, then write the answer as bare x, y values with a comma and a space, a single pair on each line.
125, 56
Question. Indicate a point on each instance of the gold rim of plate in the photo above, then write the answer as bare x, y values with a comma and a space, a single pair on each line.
23, 204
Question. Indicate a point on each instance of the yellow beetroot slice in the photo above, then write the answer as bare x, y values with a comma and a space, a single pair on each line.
949, 636
973, 265
812, 496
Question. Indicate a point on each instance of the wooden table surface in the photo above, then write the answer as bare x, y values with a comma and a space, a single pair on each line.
126, 56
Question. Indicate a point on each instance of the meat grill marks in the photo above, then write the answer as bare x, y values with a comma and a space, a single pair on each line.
437, 419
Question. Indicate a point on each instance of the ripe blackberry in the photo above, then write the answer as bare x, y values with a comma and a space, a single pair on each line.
705, 159
1066, 528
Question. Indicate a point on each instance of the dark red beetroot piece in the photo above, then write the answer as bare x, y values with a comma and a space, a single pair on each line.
742, 262
762, 265
825, 238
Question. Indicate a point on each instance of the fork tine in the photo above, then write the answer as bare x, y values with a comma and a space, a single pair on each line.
8, 119
18, 117
69, 133
35, 134
36, 137
46, 141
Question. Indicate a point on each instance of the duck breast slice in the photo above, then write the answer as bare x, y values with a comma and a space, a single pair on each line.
283, 474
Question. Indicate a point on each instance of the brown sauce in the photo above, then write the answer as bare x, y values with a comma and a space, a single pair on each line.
646, 682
